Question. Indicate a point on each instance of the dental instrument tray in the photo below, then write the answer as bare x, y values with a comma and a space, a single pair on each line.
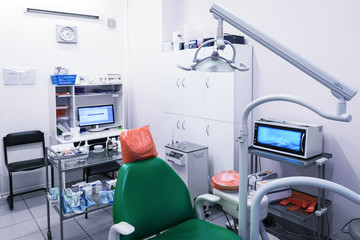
68, 159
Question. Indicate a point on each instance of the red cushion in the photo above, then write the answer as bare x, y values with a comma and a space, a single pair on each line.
137, 144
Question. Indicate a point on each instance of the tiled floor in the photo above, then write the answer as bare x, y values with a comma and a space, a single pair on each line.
28, 221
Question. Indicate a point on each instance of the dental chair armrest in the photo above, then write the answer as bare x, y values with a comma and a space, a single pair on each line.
199, 202
123, 228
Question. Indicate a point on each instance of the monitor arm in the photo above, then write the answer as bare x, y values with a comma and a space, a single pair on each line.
337, 88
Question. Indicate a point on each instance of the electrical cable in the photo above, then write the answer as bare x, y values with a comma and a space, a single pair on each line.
259, 164
342, 229
327, 221
229, 220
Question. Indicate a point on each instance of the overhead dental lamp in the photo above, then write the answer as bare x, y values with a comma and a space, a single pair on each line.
338, 89
215, 62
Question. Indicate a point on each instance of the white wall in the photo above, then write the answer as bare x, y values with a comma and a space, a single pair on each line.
28, 40
144, 64
325, 33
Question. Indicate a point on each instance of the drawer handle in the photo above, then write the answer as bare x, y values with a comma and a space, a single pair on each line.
183, 125
178, 82
183, 82
207, 83
208, 130
178, 124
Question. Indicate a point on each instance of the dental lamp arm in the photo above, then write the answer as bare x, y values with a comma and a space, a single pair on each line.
343, 117
337, 88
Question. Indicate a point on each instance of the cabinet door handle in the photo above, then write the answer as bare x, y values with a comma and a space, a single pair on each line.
178, 82
207, 83
183, 125
178, 124
208, 130
183, 82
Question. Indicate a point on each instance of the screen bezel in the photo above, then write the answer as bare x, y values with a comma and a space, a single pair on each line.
96, 106
300, 152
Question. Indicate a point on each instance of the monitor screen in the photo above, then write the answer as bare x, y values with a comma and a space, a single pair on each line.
96, 115
281, 138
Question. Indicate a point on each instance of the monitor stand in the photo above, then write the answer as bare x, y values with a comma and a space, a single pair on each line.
96, 129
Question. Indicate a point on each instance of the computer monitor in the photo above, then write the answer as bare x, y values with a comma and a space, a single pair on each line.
95, 116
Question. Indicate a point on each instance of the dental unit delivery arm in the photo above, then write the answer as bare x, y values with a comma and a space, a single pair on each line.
294, 181
338, 89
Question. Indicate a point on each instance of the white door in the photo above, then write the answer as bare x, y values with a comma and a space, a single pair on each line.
220, 139
193, 129
193, 94
219, 96
172, 89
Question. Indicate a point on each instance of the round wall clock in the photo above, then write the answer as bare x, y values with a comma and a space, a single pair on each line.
66, 34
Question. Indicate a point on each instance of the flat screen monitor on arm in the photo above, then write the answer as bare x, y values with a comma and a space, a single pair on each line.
95, 116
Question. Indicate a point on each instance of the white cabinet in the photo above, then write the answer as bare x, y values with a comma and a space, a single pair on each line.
220, 138
183, 90
219, 96
204, 108
180, 127
65, 100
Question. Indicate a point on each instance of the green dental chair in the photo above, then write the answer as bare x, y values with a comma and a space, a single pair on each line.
151, 201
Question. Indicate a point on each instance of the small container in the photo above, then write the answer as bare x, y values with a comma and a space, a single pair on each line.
115, 145
67, 136
88, 190
98, 148
63, 79
98, 188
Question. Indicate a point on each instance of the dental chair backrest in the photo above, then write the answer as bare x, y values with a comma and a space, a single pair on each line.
150, 196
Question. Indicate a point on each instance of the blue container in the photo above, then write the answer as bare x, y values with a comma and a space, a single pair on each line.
63, 79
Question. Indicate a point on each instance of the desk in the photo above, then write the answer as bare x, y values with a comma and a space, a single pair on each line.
68, 164
88, 136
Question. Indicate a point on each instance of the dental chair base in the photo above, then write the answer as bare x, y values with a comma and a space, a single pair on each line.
229, 202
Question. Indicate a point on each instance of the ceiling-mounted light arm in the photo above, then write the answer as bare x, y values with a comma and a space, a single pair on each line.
337, 88
220, 36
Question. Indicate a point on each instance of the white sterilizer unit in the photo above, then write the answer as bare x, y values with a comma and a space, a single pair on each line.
190, 162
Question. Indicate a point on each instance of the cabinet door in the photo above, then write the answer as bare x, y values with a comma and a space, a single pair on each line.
219, 96
193, 129
220, 138
171, 128
172, 78
193, 94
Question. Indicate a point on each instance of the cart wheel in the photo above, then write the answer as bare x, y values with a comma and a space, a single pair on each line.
49, 235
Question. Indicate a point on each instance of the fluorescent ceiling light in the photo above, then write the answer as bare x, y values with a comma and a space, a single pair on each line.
60, 10
68, 14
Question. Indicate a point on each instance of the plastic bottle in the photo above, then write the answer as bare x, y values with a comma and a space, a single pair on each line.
114, 143
119, 144
86, 147
109, 146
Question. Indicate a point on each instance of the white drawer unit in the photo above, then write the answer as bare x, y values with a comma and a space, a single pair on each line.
190, 162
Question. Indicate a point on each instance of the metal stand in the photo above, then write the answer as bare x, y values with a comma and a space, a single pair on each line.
319, 161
